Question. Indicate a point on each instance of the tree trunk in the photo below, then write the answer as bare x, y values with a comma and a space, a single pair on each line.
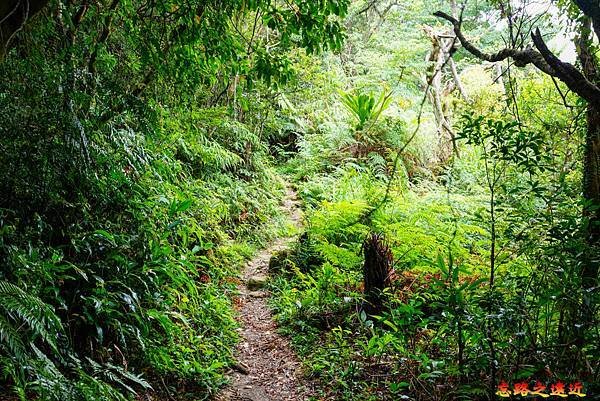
591, 163
591, 193
439, 56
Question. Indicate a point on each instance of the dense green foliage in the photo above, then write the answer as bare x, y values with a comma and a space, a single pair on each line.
131, 193
488, 248
145, 146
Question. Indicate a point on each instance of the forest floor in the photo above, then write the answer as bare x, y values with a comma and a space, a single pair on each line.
266, 368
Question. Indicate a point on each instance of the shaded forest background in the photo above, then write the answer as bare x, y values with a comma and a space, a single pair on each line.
145, 146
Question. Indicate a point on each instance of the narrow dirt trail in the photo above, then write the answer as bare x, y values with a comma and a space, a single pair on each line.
267, 369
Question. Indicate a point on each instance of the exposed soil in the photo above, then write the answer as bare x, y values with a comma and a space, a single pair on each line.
267, 368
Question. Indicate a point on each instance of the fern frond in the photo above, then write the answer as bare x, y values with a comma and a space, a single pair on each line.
116, 374
377, 164
11, 339
17, 308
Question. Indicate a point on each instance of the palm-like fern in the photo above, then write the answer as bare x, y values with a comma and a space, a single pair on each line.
24, 318
364, 107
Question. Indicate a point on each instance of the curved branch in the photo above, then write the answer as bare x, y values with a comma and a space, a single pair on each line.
520, 57
566, 72
542, 58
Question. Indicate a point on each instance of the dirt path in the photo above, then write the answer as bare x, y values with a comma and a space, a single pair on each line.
267, 369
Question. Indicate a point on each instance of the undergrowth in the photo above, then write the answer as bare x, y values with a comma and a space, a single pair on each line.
140, 272
430, 342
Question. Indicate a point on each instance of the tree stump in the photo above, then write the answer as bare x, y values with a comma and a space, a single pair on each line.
377, 273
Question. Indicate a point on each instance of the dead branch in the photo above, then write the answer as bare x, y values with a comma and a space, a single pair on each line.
566, 72
521, 57
542, 58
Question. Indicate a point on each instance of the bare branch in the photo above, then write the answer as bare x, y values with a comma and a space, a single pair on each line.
542, 58
566, 72
371, 4
521, 57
